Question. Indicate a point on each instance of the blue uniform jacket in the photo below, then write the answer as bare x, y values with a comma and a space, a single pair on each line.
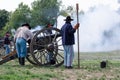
67, 33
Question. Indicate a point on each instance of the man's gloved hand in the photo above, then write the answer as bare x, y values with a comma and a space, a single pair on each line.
76, 26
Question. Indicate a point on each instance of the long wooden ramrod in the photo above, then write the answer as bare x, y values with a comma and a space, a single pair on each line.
77, 8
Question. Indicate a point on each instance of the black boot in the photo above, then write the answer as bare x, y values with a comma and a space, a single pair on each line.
52, 61
23, 61
19, 59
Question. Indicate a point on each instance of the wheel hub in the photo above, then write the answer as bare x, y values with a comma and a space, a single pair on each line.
50, 47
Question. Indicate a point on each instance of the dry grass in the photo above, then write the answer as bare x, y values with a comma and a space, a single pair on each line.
89, 69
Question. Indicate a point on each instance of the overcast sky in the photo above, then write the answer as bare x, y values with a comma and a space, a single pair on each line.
83, 4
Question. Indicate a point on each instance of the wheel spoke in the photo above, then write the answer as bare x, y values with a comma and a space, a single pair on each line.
60, 49
55, 37
58, 39
39, 45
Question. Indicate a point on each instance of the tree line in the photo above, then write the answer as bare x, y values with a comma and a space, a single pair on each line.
41, 13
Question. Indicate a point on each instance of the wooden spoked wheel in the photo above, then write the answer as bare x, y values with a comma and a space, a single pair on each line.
46, 47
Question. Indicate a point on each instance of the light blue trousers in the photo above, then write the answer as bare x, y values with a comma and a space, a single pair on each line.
7, 49
49, 56
21, 47
68, 55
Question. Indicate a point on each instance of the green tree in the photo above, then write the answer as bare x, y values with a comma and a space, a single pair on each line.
4, 17
21, 15
66, 11
44, 12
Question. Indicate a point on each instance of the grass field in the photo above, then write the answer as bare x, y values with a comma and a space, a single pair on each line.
89, 69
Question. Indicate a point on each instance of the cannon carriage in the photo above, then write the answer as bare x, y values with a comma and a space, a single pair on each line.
2, 49
46, 44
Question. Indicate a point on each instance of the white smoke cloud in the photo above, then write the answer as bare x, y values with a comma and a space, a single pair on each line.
118, 1
99, 29
36, 28
94, 24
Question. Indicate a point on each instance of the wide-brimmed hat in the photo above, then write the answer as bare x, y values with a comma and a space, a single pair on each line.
68, 18
26, 24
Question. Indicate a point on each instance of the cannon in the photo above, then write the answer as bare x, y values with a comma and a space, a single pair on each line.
45, 44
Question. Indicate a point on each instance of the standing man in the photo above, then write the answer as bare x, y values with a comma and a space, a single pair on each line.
23, 34
7, 43
67, 32
50, 56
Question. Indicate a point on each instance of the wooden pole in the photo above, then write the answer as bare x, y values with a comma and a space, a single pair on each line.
77, 8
